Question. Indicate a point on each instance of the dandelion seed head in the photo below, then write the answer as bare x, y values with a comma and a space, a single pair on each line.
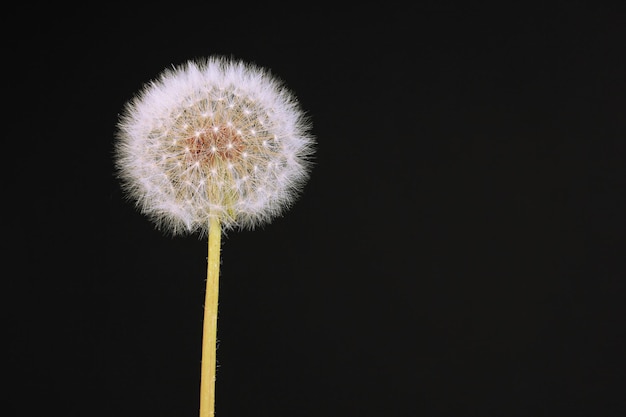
201, 141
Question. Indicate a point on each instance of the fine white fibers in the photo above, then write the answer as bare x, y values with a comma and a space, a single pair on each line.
213, 138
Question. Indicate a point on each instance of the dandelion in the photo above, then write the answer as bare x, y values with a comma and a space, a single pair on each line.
213, 145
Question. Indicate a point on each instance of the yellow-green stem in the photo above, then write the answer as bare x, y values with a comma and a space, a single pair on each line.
209, 329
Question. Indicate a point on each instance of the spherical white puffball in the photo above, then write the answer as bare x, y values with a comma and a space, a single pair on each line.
213, 138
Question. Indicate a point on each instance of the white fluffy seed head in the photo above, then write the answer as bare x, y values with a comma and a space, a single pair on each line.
213, 138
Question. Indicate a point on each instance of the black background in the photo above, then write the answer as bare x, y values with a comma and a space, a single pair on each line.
457, 251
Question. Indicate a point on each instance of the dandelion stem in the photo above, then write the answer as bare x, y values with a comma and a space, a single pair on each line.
209, 331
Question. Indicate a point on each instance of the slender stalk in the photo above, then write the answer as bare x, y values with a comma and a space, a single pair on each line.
209, 330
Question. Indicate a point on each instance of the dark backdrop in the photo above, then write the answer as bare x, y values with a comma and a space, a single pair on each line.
457, 251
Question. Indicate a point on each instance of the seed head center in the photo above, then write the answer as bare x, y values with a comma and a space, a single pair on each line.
213, 145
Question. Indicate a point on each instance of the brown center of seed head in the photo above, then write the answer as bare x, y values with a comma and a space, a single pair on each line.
213, 145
